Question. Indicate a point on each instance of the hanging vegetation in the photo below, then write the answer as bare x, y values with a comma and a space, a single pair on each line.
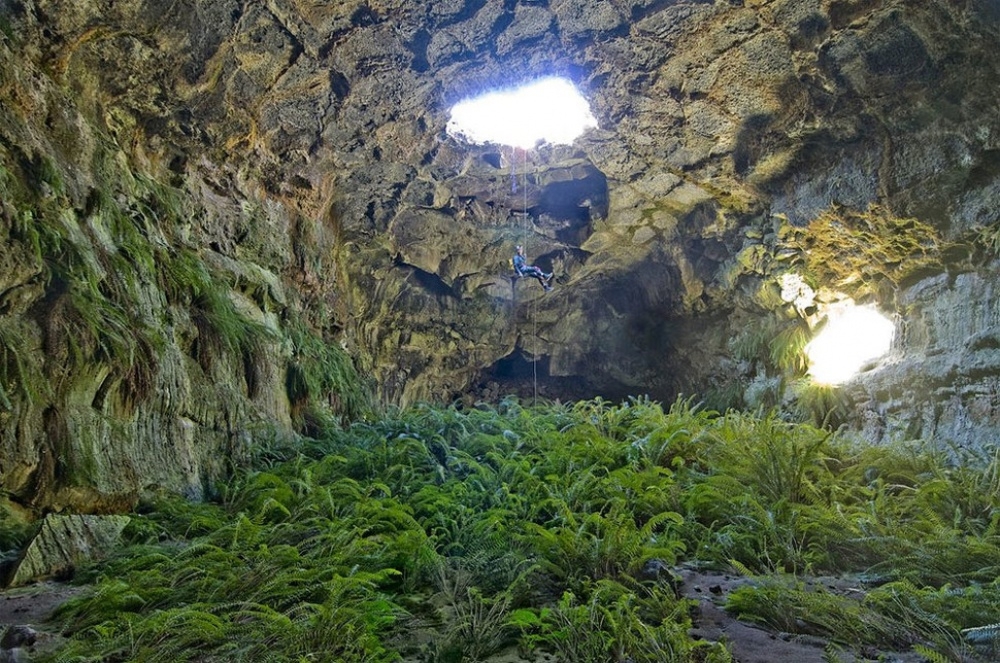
859, 251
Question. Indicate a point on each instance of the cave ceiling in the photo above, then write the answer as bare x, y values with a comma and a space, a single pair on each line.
723, 126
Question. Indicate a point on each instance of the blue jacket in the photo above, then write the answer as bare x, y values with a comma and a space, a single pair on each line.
518, 263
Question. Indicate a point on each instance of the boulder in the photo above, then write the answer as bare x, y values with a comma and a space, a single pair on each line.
65, 542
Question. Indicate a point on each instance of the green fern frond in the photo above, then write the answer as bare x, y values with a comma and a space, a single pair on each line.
742, 569
786, 349
831, 654
20, 371
932, 655
989, 634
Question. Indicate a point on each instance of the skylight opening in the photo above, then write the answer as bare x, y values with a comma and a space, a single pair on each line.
549, 110
852, 337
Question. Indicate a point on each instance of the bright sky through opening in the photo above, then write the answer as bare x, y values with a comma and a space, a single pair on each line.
550, 110
853, 335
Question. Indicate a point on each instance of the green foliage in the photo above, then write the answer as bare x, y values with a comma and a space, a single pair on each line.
729, 395
14, 533
40, 238
896, 616
985, 639
575, 550
931, 655
986, 239
789, 606
93, 265
774, 343
322, 380
130, 233
474, 626
787, 348
774, 348
44, 170
7, 29
20, 372
222, 329
616, 623
104, 268
823, 406
446, 534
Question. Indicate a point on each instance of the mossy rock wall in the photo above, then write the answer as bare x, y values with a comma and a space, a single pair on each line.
183, 179
144, 339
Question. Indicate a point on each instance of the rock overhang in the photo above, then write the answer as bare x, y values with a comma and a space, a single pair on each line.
722, 127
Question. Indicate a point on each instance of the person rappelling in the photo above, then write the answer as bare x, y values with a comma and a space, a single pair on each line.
522, 268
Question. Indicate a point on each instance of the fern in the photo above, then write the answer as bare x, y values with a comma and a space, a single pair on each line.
831, 654
742, 568
984, 639
786, 349
494, 524
20, 372
932, 655
981, 635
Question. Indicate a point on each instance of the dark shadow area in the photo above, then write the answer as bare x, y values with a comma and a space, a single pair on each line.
898, 54
987, 10
418, 46
339, 85
363, 16
431, 283
706, 255
565, 199
566, 259
635, 353
986, 170
518, 365
755, 138
567, 208
517, 375
494, 159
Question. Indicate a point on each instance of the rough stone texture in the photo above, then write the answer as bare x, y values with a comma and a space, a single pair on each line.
63, 542
18, 636
307, 146
942, 379
16, 655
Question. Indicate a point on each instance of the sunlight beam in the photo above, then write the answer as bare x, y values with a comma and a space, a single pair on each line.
853, 336
549, 110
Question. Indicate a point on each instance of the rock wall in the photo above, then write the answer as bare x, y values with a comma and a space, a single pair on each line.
115, 375
297, 152
145, 312
941, 382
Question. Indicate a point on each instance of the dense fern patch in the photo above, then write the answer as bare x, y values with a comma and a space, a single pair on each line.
447, 535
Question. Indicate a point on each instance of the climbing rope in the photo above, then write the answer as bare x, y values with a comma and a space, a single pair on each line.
534, 318
524, 237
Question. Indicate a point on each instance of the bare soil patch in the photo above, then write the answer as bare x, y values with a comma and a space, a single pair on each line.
752, 643
32, 606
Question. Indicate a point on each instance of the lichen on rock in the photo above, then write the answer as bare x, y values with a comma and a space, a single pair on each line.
182, 180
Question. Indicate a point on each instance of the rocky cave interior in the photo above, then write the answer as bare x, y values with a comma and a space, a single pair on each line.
198, 199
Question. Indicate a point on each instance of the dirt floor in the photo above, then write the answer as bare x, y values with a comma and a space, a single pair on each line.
750, 643
31, 606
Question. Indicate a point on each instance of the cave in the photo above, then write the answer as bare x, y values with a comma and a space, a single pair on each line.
307, 163
222, 218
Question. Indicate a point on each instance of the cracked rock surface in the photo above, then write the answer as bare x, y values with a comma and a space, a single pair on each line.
308, 148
